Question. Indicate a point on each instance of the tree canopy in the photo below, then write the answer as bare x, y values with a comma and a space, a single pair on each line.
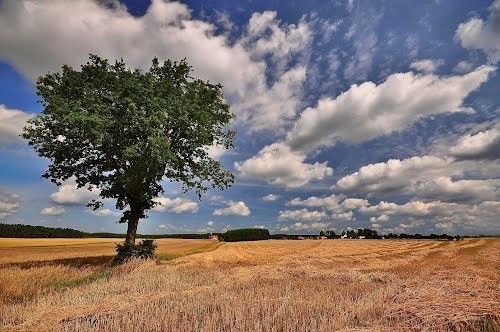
124, 131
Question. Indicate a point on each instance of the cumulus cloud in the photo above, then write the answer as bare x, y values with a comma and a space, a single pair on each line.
9, 204
436, 216
484, 35
343, 216
265, 36
426, 177
331, 202
369, 110
177, 205
233, 209
33, 33
69, 194
52, 211
391, 175
482, 145
298, 226
104, 213
278, 164
381, 218
210, 223
270, 198
302, 215
353, 203
11, 125
445, 188
341, 206
427, 65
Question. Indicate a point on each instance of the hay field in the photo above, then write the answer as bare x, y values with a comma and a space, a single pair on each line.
322, 285
29, 250
32, 267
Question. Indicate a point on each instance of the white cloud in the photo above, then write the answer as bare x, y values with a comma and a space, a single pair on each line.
485, 35
276, 106
233, 209
412, 208
104, 213
427, 65
177, 205
11, 125
444, 188
210, 223
391, 175
278, 164
342, 211
9, 204
270, 198
302, 215
343, 216
328, 202
33, 33
266, 35
482, 145
369, 110
463, 67
381, 218
52, 211
426, 177
353, 203
436, 216
217, 151
259, 226
298, 226
69, 194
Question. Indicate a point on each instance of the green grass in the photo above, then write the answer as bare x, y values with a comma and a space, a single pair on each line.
70, 283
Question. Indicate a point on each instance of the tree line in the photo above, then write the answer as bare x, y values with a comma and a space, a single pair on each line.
373, 234
28, 231
245, 234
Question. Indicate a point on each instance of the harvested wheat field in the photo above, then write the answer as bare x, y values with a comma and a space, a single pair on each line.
311, 285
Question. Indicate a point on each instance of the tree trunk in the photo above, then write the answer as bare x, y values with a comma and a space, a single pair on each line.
133, 222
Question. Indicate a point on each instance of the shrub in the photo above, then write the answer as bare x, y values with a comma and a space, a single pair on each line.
127, 251
246, 234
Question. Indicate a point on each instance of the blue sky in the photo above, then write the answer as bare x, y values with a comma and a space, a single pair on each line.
350, 114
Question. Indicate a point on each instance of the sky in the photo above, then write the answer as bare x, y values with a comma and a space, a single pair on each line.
350, 113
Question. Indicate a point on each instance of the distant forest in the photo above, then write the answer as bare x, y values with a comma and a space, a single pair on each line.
27, 231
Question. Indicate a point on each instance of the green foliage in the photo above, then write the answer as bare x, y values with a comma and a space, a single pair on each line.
368, 233
246, 234
127, 251
330, 234
27, 231
124, 130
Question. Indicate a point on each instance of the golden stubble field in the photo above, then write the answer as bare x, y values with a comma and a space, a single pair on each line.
311, 285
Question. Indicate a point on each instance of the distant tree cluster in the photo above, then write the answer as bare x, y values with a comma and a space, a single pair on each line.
362, 232
27, 231
246, 234
373, 234
420, 236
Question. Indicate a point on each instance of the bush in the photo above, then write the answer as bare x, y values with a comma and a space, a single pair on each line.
246, 234
127, 251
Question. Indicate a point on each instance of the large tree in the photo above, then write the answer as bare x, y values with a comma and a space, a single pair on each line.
125, 131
